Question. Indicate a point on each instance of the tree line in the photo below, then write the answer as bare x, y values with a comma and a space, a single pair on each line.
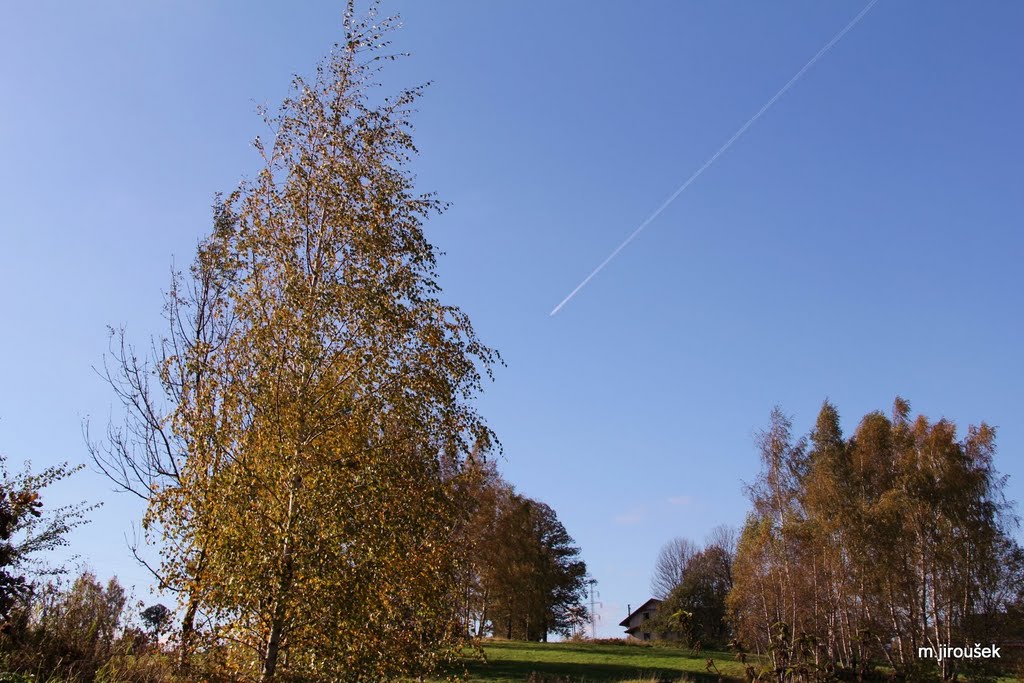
862, 551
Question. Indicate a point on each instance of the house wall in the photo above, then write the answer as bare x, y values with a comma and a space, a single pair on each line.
641, 621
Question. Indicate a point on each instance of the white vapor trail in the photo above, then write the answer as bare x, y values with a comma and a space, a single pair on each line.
714, 157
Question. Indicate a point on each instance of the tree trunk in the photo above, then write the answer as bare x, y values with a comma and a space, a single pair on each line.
187, 629
277, 624
188, 620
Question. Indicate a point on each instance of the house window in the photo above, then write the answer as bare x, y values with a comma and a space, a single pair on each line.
647, 615
647, 636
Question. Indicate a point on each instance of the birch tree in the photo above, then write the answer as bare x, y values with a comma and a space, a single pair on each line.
305, 506
861, 550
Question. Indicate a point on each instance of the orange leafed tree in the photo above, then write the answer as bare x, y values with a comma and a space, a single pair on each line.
307, 515
861, 550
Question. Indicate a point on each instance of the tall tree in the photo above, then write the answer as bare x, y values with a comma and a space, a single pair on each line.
563, 575
307, 504
486, 495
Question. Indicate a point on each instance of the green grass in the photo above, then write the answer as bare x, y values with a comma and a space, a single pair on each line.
515, 662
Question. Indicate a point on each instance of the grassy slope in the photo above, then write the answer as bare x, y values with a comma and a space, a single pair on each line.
513, 662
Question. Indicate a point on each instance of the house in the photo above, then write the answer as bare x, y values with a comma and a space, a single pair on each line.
638, 624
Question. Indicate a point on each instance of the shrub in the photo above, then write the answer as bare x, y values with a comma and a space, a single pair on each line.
77, 633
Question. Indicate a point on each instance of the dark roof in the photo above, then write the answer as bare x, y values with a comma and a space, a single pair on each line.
653, 602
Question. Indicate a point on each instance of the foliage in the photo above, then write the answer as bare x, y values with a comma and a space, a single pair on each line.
303, 482
26, 531
695, 609
542, 578
78, 631
694, 582
860, 550
157, 619
522, 576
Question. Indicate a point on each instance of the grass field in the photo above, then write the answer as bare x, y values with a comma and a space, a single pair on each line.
573, 662
516, 662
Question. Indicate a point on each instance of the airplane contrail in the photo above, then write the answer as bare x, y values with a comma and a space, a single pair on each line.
721, 150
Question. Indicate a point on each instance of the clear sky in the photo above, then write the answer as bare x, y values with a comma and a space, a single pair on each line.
864, 239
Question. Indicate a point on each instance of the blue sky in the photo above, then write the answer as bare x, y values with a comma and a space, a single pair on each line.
863, 239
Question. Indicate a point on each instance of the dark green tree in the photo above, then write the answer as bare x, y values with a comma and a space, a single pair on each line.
157, 619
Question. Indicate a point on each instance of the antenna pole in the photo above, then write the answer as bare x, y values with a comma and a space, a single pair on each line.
593, 614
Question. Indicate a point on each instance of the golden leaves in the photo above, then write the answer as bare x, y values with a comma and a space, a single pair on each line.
311, 509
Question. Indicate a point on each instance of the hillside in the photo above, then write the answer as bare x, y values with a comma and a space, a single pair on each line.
514, 662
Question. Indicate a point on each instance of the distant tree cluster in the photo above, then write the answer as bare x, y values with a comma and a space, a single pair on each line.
861, 549
693, 584
857, 552
523, 576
